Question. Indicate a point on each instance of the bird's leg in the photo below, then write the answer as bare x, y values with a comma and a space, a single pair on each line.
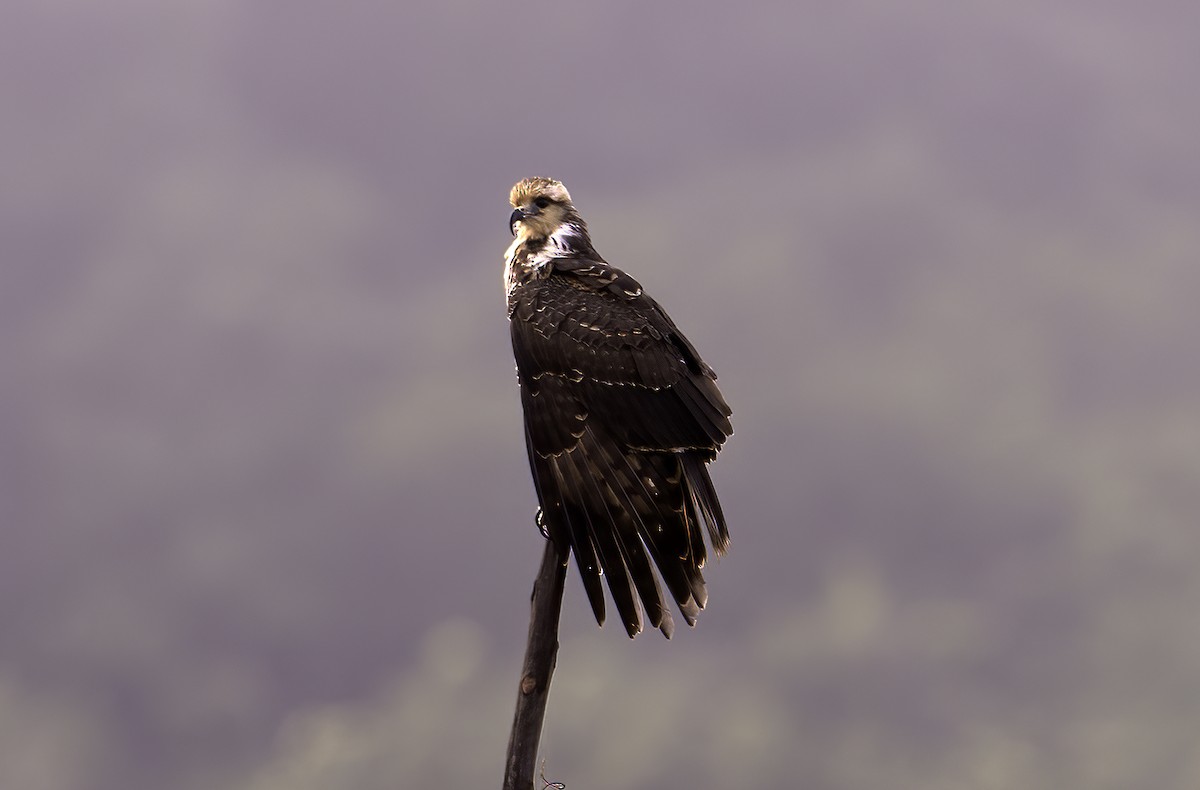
540, 520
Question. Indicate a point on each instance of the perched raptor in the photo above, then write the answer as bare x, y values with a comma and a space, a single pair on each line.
621, 416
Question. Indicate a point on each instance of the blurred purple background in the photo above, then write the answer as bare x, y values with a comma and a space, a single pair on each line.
267, 518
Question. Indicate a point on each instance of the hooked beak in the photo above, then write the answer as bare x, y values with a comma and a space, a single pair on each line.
519, 214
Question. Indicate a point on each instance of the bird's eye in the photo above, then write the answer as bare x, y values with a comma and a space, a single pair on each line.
542, 202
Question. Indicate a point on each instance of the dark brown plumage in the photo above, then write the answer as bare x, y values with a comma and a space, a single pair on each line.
621, 416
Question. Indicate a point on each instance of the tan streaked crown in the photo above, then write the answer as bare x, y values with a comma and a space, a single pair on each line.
530, 189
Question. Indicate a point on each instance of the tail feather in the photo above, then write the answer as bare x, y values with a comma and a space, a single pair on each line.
634, 534
568, 524
633, 552
600, 525
678, 550
704, 497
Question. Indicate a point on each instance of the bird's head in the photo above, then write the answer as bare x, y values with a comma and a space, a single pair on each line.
540, 207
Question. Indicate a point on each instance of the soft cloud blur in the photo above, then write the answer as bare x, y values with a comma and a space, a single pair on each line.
267, 516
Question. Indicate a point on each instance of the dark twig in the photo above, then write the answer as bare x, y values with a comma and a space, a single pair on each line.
541, 652
546, 783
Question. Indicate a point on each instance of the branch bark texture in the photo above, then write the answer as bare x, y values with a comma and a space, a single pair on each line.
541, 652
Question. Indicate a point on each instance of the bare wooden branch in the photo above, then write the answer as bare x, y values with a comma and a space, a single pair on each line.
541, 653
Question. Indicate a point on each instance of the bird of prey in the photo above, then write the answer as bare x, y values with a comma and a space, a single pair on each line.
622, 416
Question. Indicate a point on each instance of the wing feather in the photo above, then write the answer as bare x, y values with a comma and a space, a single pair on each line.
621, 417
